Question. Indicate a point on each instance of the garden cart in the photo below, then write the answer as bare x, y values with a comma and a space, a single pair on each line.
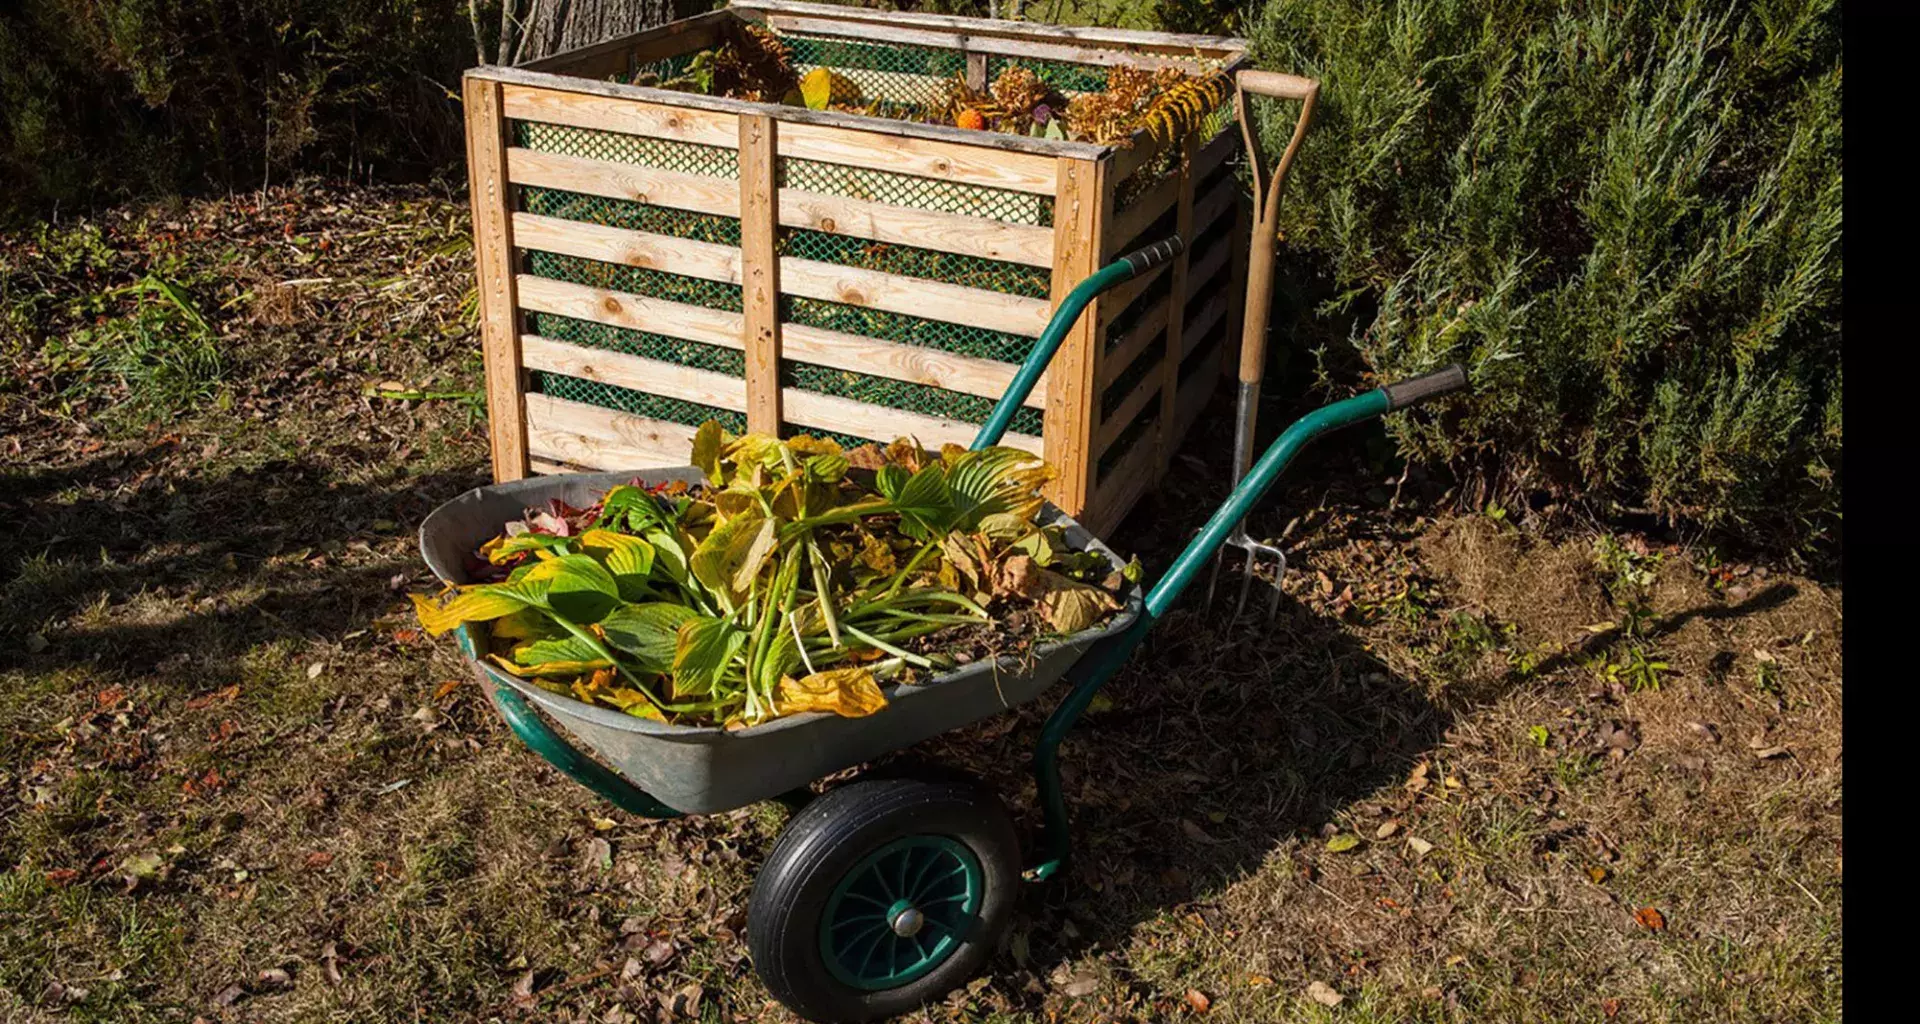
889, 890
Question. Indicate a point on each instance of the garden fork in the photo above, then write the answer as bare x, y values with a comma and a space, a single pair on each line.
1253, 332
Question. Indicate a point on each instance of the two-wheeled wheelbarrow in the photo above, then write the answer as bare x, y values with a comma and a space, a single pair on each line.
890, 890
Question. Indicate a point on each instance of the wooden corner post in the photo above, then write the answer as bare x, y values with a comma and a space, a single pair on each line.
1081, 209
492, 199
760, 271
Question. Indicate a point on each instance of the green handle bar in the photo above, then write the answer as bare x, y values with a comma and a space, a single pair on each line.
1124, 269
1101, 662
541, 739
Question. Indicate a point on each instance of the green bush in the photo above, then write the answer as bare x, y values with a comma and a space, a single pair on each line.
1623, 217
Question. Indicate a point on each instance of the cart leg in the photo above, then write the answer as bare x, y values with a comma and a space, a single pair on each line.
542, 740
1088, 675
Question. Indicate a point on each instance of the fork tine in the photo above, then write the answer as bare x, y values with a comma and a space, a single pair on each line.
1246, 586
1213, 581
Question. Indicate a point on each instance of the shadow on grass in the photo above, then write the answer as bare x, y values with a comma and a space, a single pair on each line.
152, 564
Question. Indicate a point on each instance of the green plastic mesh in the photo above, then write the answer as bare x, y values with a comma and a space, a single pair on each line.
845, 441
619, 277
907, 330
911, 261
1061, 75
914, 191
639, 403
623, 213
906, 74
898, 394
696, 354
1148, 362
644, 150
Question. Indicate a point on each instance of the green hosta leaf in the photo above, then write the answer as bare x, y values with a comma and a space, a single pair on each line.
577, 587
1004, 527
520, 543
981, 483
629, 559
670, 554
649, 632
734, 552
1133, 572
567, 649
703, 650
1039, 544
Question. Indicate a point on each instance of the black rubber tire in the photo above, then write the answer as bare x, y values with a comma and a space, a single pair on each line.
824, 841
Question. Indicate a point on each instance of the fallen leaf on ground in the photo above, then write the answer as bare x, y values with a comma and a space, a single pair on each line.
1419, 846
1198, 1000
1322, 993
1386, 830
1342, 843
1081, 986
1650, 919
314, 670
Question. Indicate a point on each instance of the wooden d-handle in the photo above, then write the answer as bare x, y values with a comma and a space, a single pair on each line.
1266, 205
1276, 85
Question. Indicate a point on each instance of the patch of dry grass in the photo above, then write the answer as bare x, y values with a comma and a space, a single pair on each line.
1419, 791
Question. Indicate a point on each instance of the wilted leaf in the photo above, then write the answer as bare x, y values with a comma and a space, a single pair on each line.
1342, 843
1322, 993
852, 692
1650, 919
1198, 1001
703, 648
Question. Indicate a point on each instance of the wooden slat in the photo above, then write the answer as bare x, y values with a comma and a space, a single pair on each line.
614, 56
902, 225
1203, 322
1147, 208
636, 373
761, 272
1210, 154
968, 163
854, 286
491, 197
977, 28
612, 114
896, 293
1082, 207
972, 141
696, 192
846, 416
1129, 410
914, 364
1121, 356
1208, 209
636, 312
1132, 158
555, 466
606, 439
706, 260
1122, 485
1202, 272
857, 218
1115, 302
1004, 46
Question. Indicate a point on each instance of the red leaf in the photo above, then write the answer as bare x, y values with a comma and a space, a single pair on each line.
1650, 919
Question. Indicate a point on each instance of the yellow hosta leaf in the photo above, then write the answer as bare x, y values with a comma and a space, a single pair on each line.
622, 554
633, 702
449, 609
851, 692
550, 669
525, 624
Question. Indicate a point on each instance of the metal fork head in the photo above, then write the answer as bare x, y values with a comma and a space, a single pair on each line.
1254, 551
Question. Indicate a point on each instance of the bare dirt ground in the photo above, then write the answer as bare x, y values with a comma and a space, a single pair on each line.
1473, 772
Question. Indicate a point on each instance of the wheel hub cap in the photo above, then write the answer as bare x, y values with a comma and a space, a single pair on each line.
906, 919
901, 911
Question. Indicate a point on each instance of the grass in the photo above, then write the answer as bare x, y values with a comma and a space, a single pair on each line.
366, 842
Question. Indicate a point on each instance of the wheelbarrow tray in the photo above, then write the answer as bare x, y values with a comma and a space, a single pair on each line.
704, 770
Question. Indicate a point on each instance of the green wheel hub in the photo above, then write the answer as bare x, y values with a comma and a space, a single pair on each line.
901, 911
